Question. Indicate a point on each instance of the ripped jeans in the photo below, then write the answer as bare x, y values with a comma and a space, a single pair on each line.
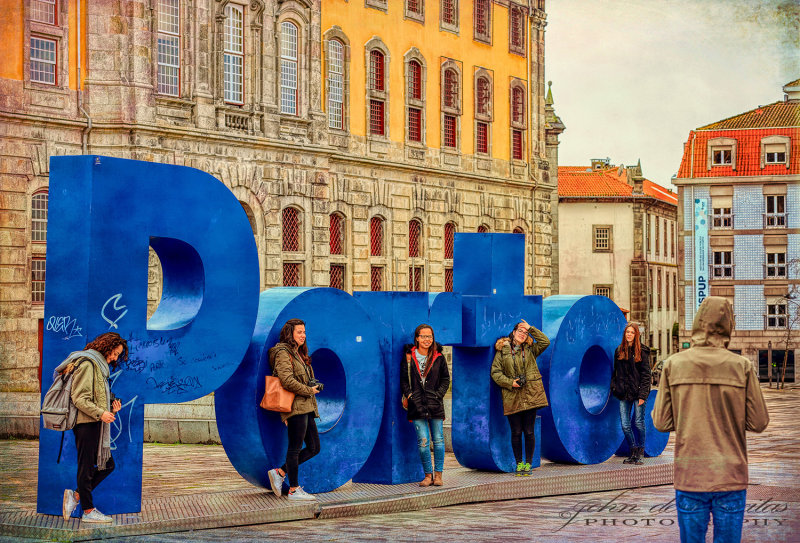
424, 443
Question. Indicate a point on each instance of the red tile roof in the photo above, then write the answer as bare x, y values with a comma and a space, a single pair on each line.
609, 182
777, 115
583, 181
657, 191
748, 153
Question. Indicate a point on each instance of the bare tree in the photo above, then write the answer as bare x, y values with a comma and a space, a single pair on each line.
791, 300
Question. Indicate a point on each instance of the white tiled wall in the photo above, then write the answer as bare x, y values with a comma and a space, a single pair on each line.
749, 306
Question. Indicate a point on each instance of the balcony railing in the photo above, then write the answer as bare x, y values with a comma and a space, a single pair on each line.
775, 220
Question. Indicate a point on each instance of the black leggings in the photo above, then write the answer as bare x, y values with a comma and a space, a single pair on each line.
522, 422
302, 428
87, 440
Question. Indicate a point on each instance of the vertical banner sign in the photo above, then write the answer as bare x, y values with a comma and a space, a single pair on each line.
700, 250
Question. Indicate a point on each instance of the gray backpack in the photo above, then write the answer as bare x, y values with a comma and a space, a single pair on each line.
58, 412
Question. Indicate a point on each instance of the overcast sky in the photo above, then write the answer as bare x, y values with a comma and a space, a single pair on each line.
632, 77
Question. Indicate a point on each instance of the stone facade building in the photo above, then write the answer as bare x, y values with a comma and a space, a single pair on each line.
358, 136
739, 188
618, 239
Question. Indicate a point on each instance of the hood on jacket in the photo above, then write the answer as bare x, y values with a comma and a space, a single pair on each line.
273, 352
505, 340
408, 346
713, 323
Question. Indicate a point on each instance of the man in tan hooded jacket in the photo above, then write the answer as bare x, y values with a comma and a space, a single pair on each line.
709, 397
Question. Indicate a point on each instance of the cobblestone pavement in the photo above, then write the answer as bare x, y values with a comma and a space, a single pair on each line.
631, 515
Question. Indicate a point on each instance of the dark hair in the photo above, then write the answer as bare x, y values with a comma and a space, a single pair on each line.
637, 344
287, 337
417, 330
106, 343
511, 333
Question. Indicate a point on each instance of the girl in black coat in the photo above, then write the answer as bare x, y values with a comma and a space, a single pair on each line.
630, 384
424, 380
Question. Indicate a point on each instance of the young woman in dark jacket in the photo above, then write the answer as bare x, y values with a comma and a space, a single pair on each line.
424, 380
630, 384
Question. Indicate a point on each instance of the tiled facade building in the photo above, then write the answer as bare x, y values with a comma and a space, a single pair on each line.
617, 238
358, 135
743, 174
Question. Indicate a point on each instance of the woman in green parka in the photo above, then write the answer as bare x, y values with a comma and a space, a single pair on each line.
514, 370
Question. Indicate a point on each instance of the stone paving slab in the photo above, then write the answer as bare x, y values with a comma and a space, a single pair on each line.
257, 506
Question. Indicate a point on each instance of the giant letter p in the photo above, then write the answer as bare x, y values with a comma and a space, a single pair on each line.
104, 214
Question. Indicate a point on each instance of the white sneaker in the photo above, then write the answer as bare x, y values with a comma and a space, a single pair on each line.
275, 481
95, 516
301, 495
68, 504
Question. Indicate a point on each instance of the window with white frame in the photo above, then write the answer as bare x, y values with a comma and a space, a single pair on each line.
722, 156
288, 68
39, 217
721, 218
775, 217
722, 264
168, 76
38, 267
776, 316
775, 154
44, 61
44, 11
335, 84
776, 266
233, 54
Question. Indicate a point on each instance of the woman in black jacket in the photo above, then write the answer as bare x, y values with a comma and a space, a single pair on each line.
630, 384
424, 380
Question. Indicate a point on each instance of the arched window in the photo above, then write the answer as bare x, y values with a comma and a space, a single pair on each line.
518, 105
376, 70
288, 68
450, 90
234, 54
39, 217
291, 230
449, 237
414, 238
518, 230
482, 20
376, 236
483, 229
483, 98
335, 84
415, 80
336, 235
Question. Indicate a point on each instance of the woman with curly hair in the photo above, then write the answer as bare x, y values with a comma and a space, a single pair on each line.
97, 406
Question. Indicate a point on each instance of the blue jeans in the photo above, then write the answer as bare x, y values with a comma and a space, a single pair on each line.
694, 508
625, 420
424, 440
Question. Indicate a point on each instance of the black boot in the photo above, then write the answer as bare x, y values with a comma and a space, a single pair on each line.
637, 456
632, 456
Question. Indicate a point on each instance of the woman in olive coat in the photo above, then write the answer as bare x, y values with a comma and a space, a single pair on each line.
292, 365
514, 370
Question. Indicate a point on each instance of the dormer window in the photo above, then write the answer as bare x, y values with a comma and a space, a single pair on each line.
721, 152
775, 150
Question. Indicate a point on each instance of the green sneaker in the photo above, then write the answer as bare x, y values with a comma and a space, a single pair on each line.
527, 469
520, 469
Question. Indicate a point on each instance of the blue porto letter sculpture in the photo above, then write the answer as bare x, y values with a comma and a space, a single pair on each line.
104, 214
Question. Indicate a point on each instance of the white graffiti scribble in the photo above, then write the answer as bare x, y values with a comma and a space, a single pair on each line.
116, 298
67, 324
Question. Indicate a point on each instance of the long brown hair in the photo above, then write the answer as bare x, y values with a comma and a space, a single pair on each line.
432, 350
106, 343
287, 337
637, 344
